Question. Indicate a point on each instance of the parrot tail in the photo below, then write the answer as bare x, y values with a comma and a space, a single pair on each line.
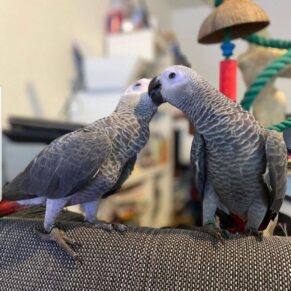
8, 207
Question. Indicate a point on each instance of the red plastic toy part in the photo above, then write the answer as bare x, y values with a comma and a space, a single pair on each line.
228, 77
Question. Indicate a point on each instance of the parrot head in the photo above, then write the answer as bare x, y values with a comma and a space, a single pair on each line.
138, 87
174, 82
136, 100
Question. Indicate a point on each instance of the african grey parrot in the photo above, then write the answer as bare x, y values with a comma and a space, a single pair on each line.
85, 165
238, 165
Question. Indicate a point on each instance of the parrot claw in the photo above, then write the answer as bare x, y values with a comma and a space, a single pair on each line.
257, 234
108, 226
120, 227
226, 233
62, 240
215, 231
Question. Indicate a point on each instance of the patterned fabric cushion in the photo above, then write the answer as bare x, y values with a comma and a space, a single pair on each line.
140, 259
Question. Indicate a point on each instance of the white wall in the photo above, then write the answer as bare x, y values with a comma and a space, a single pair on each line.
206, 58
35, 39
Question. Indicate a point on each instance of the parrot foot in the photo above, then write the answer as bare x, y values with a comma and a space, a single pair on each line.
256, 233
108, 226
62, 240
218, 233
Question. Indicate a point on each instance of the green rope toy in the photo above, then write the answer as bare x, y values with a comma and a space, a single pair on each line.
263, 78
282, 126
268, 74
268, 42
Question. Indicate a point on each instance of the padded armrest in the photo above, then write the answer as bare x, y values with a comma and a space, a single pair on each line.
140, 259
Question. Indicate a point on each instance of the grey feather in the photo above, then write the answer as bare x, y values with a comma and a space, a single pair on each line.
276, 170
231, 150
198, 162
83, 166
63, 167
126, 171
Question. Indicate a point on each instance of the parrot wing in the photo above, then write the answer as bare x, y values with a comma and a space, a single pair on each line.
126, 171
62, 168
198, 162
275, 176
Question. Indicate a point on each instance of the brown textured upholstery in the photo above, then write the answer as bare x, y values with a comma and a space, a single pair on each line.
140, 259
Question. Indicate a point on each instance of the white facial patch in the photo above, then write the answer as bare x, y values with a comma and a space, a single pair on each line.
138, 87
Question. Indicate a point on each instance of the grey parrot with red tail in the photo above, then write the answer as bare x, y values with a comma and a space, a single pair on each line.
85, 165
239, 166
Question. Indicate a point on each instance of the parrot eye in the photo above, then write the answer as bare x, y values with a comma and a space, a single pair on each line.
172, 75
137, 84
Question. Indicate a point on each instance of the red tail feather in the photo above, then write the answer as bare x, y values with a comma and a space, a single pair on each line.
8, 207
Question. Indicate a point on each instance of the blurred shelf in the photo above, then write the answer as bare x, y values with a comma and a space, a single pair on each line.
147, 45
140, 175
140, 44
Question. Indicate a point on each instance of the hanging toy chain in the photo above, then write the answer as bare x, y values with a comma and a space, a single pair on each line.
228, 68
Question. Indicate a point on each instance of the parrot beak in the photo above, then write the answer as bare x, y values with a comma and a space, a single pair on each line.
155, 91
